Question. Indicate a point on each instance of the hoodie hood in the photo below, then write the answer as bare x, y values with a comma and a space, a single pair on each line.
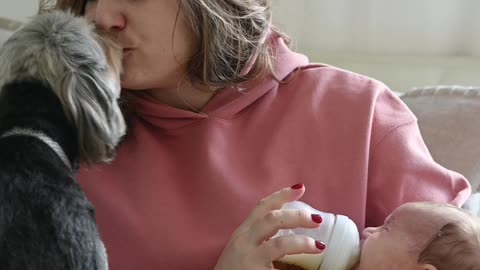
229, 102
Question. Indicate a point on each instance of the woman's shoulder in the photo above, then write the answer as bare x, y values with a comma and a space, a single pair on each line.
326, 77
327, 83
353, 94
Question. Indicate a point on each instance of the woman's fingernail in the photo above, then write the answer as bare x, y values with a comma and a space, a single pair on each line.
317, 218
297, 186
320, 245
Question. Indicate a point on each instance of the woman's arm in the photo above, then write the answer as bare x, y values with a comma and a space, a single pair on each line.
401, 168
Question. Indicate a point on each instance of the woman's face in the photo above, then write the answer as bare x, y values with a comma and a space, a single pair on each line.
156, 41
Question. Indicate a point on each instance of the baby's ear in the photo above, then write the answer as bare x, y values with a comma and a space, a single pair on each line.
427, 267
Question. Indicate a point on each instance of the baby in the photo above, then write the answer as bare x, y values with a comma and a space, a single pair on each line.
419, 236
423, 236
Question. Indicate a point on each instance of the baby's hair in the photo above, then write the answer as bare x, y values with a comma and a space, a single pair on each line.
456, 246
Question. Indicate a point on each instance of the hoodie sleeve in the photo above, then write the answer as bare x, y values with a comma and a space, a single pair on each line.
401, 168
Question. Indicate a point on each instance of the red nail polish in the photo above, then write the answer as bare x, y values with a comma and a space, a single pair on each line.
320, 245
297, 186
317, 218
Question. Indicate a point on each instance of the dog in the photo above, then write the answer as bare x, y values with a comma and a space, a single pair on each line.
59, 91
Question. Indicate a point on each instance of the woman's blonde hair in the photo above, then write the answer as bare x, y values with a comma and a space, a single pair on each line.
232, 35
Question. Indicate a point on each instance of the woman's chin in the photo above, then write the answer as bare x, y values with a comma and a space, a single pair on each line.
128, 83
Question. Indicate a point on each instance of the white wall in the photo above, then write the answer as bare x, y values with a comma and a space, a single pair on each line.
405, 43
421, 27
18, 9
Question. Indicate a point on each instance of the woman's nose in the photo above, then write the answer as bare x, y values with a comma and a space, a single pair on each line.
107, 15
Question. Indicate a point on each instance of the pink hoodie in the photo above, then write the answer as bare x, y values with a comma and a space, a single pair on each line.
183, 181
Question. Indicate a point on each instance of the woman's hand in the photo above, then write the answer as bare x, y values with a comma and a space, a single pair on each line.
251, 246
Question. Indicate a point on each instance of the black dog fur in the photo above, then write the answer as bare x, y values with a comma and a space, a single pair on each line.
46, 223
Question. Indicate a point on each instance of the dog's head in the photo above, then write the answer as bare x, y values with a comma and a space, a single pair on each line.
81, 66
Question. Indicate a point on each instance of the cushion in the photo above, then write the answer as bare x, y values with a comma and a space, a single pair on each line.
449, 120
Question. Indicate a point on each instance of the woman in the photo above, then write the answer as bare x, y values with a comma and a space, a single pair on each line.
221, 113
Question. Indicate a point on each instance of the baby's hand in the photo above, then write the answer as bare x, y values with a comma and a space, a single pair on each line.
251, 246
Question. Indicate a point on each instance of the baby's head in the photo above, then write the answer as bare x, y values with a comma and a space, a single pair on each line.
423, 236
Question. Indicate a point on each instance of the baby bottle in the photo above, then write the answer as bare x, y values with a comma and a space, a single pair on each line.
338, 232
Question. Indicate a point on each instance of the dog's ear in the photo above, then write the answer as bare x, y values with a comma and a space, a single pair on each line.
64, 52
91, 105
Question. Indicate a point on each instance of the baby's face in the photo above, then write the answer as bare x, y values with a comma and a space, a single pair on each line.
405, 233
